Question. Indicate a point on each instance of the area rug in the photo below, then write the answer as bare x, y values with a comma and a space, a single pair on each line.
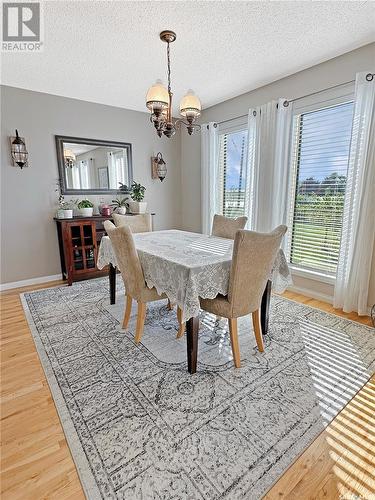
139, 426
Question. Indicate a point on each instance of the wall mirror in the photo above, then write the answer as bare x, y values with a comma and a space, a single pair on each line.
90, 166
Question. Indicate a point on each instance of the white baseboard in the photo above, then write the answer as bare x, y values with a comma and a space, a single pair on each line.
309, 293
32, 281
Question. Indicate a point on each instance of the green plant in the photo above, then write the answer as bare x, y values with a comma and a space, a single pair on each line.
137, 192
59, 190
118, 202
67, 205
124, 188
85, 204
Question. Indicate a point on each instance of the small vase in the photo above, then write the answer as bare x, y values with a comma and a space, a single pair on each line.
121, 210
106, 211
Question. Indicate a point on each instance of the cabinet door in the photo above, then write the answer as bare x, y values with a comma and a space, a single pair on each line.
77, 244
83, 246
90, 245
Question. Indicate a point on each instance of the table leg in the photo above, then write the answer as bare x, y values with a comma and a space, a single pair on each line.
265, 307
192, 329
112, 284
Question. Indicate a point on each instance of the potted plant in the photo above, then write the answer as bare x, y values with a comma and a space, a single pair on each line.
124, 188
86, 208
66, 208
120, 205
137, 206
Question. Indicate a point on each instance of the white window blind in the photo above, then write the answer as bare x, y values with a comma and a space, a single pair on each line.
232, 173
320, 163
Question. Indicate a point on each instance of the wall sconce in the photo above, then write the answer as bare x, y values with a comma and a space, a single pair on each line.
158, 167
19, 151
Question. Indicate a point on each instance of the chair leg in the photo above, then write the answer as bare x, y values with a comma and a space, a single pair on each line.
258, 330
141, 315
169, 305
128, 310
234, 341
182, 325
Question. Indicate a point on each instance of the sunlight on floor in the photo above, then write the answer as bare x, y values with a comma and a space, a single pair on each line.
336, 367
222, 343
351, 438
338, 372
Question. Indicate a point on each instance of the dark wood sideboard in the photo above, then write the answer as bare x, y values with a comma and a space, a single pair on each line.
79, 240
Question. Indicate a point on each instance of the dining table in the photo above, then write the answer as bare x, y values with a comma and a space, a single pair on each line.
187, 266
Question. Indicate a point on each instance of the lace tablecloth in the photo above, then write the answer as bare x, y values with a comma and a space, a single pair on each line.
186, 266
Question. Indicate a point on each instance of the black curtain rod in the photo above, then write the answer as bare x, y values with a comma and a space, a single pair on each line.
369, 78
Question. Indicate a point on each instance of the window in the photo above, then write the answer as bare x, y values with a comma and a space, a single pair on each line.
320, 163
232, 173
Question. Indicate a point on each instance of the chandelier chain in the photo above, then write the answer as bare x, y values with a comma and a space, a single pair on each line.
169, 68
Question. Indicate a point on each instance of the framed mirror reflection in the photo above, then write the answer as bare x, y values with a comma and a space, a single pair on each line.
91, 166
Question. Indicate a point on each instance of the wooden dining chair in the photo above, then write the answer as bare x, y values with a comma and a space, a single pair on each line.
226, 227
141, 223
132, 275
253, 257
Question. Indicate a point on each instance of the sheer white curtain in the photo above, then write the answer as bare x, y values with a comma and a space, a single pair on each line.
112, 174
357, 240
269, 139
84, 173
209, 173
76, 181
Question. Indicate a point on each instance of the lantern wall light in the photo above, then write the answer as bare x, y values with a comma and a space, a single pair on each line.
20, 156
158, 167
159, 101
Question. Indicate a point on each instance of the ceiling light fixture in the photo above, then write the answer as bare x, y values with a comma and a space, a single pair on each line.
159, 101
69, 158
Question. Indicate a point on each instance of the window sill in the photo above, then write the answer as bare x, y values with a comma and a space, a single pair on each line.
313, 275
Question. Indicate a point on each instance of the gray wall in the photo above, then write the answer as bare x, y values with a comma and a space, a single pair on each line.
335, 71
29, 246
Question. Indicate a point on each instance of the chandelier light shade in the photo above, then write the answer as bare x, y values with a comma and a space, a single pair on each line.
190, 105
19, 151
159, 101
157, 98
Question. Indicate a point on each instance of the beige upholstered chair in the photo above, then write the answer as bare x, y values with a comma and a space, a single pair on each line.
132, 274
138, 223
253, 257
141, 223
225, 227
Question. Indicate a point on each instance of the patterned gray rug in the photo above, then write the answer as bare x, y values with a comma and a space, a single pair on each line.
140, 427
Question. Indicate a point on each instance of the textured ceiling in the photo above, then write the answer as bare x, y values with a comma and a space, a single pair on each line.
110, 52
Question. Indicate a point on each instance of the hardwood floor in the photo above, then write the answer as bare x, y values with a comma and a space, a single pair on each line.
36, 462
35, 459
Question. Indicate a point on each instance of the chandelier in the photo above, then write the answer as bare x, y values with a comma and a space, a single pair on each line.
159, 101
69, 158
